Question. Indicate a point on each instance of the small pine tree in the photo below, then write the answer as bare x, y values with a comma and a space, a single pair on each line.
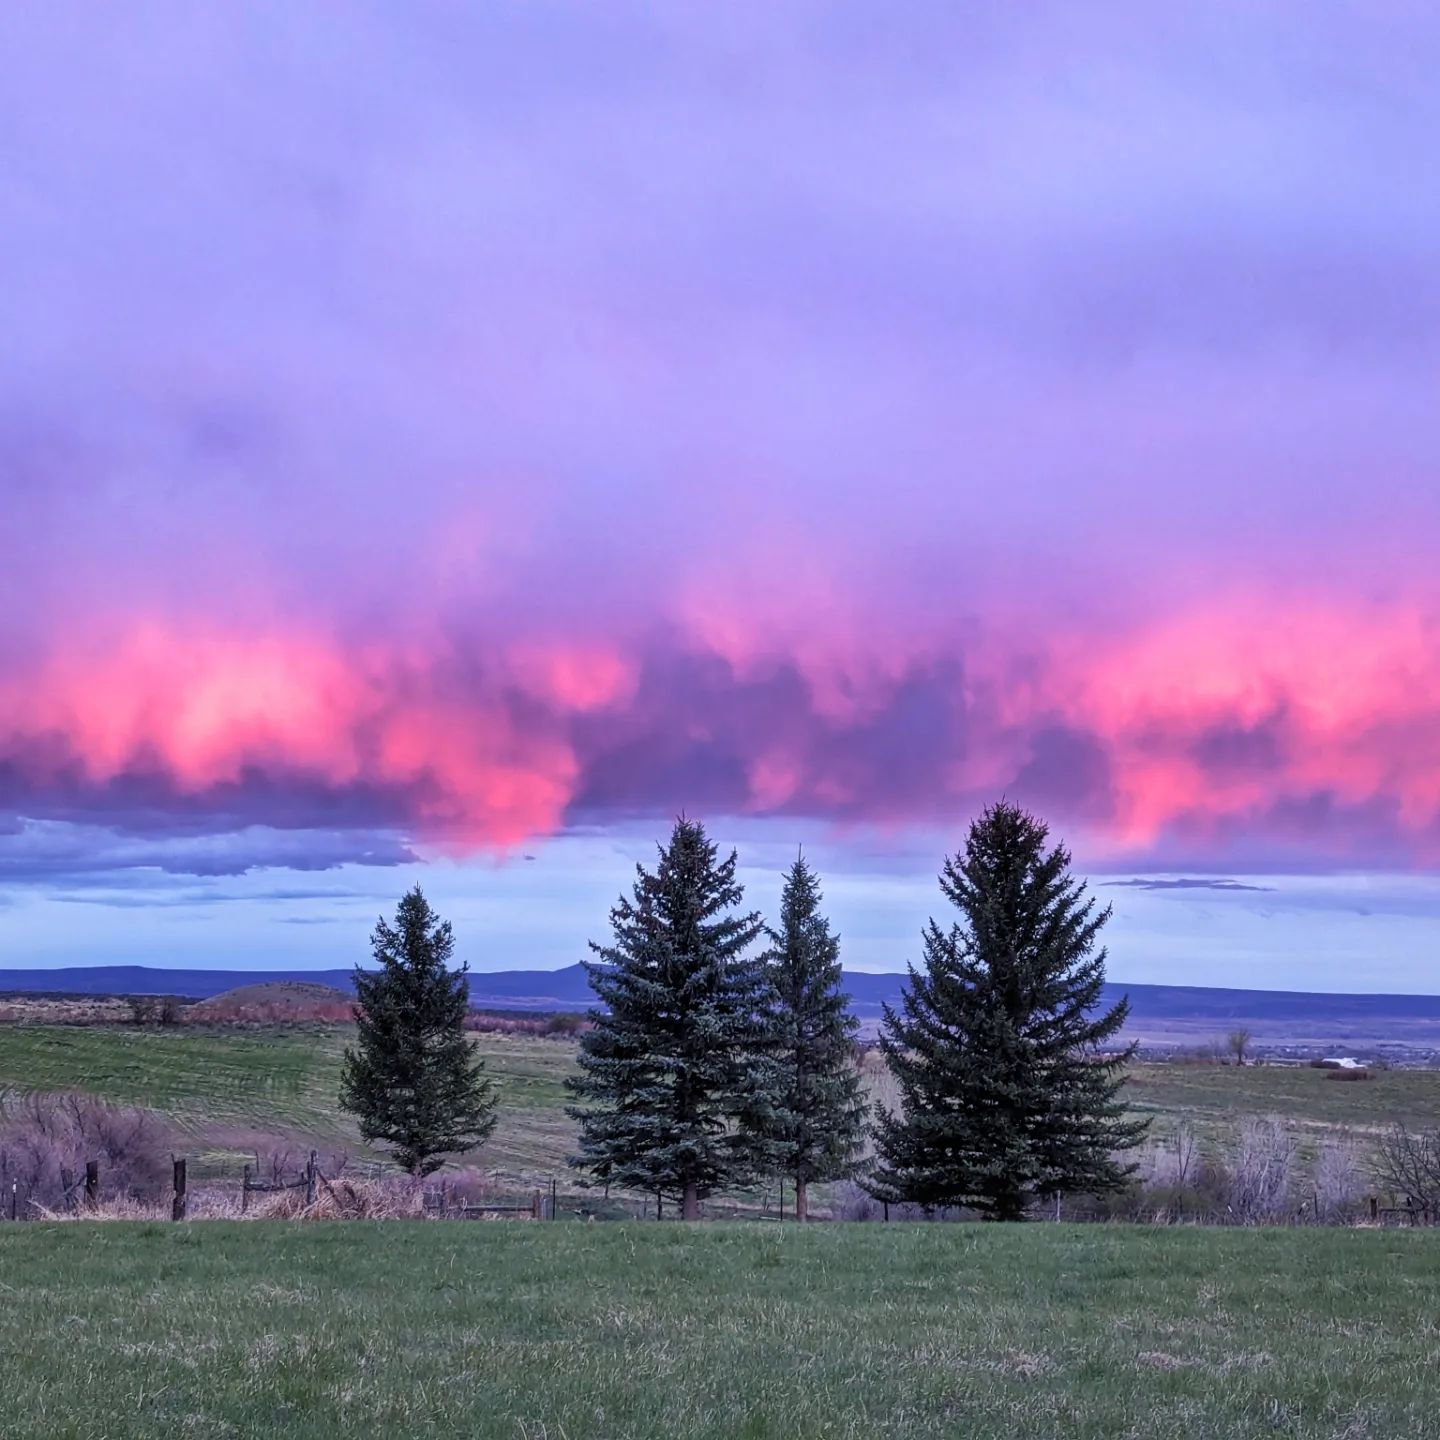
673, 1103
1005, 1096
415, 1082
819, 1110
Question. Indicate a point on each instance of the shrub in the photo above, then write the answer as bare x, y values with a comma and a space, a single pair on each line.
495, 1023
1261, 1171
46, 1140
143, 1009
1339, 1183
462, 1187
1170, 1182
1407, 1162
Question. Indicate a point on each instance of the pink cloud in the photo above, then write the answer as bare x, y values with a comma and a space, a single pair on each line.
1188, 725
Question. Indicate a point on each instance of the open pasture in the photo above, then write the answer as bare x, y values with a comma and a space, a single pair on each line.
1210, 1097
222, 1087
713, 1332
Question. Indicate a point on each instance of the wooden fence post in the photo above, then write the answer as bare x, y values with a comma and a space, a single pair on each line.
1374, 1208
178, 1205
554, 1210
92, 1185
14, 1199
535, 1204
310, 1181
245, 1191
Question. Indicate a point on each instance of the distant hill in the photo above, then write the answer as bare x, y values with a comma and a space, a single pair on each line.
508, 989
282, 993
1159, 1014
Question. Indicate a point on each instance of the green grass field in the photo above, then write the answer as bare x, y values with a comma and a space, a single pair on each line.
219, 1087
714, 1332
1214, 1095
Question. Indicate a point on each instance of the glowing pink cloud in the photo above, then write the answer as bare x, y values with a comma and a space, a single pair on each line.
558, 427
1190, 726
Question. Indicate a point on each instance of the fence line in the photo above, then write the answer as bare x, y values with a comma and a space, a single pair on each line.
544, 1203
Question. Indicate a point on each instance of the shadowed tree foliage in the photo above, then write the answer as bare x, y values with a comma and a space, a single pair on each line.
413, 1079
672, 1079
1005, 1093
819, 1110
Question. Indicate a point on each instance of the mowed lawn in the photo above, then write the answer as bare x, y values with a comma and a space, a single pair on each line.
522, 1330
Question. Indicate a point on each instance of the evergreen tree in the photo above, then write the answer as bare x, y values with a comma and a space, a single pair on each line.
1005, 1094
673, 1101
819, 1110
414, 1080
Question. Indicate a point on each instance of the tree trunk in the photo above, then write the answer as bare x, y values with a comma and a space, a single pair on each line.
690, 1202
802, 1206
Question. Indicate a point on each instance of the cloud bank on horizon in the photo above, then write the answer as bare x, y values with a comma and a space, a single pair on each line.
471, 423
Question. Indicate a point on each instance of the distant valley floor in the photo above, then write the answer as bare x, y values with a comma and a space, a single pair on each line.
1405, 1028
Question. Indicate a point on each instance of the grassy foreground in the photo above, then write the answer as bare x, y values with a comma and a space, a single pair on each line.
536, 1332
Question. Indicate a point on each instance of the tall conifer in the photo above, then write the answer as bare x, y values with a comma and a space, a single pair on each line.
413, 1079
819, 1110
1006, 1092
672, 1100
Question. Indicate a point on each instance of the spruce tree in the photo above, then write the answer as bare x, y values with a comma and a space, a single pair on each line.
819, 1118
673, 1102
1005, 1092
413, 1079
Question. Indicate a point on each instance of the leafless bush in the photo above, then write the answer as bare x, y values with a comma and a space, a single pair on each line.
1339, 1183
463, 1187
143, 1009
1262, 1171
559, 1027
46, 1141
1166, 1184
1407, 1162
1172, 1161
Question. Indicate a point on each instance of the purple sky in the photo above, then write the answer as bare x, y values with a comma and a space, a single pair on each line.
431, 434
